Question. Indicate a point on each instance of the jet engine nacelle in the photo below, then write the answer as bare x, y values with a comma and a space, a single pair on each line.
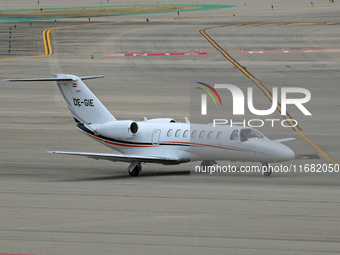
117, 129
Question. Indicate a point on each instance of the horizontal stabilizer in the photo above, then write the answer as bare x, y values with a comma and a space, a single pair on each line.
122, 157
91, 77
284, 140
41, 79
57, 79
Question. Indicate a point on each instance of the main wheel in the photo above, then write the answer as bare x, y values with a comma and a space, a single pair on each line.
206, 163
136, 170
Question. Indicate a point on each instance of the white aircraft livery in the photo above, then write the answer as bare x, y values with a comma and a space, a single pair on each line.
162, 140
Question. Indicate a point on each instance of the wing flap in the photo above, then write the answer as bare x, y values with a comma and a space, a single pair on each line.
121, 157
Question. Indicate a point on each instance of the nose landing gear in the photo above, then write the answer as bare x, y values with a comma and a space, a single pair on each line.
266, 169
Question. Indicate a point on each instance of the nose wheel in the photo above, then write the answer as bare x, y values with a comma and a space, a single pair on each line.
266, 169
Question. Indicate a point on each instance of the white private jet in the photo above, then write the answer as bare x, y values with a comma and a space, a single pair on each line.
162, 140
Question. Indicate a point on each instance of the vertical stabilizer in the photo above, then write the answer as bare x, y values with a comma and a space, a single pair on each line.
83, 104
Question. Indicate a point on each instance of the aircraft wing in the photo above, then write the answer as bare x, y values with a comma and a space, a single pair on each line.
284, 140
122, 157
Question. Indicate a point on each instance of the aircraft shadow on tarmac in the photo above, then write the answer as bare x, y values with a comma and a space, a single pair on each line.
121, 176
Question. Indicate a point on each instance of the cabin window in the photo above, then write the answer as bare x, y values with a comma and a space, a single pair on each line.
193, 134
185, 134
169, 132
234, 135
178, 132
202, 134
210, 134
219, 135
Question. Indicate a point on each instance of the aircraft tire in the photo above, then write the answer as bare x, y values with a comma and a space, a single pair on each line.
269, 169
136, 170
206, 163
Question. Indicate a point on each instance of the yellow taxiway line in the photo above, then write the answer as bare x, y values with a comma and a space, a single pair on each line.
263, 88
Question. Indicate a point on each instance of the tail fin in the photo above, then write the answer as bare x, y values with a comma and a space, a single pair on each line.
83, 104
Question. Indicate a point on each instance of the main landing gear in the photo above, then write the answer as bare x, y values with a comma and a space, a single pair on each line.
134, 168
266, 169
206, 163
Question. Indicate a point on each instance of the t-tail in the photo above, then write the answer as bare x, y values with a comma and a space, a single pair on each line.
83, 104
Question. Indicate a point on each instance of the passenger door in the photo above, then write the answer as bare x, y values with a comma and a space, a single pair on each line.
155, 136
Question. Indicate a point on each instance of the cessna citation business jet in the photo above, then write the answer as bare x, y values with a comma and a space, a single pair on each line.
162, 140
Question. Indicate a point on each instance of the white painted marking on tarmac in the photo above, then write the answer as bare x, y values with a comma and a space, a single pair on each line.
289, 51
155, 54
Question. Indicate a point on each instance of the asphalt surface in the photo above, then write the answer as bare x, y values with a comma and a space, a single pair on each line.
54, 204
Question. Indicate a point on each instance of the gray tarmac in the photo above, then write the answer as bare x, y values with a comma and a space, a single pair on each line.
53, 204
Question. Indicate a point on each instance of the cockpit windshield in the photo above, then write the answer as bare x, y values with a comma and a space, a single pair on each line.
259, 133
248, 133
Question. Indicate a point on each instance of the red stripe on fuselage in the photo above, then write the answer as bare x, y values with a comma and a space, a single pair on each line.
206, 145
94, 137
129, 145
168, 142
117, 144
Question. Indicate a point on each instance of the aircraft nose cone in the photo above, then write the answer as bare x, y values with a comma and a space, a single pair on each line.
284, 153
288, 154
